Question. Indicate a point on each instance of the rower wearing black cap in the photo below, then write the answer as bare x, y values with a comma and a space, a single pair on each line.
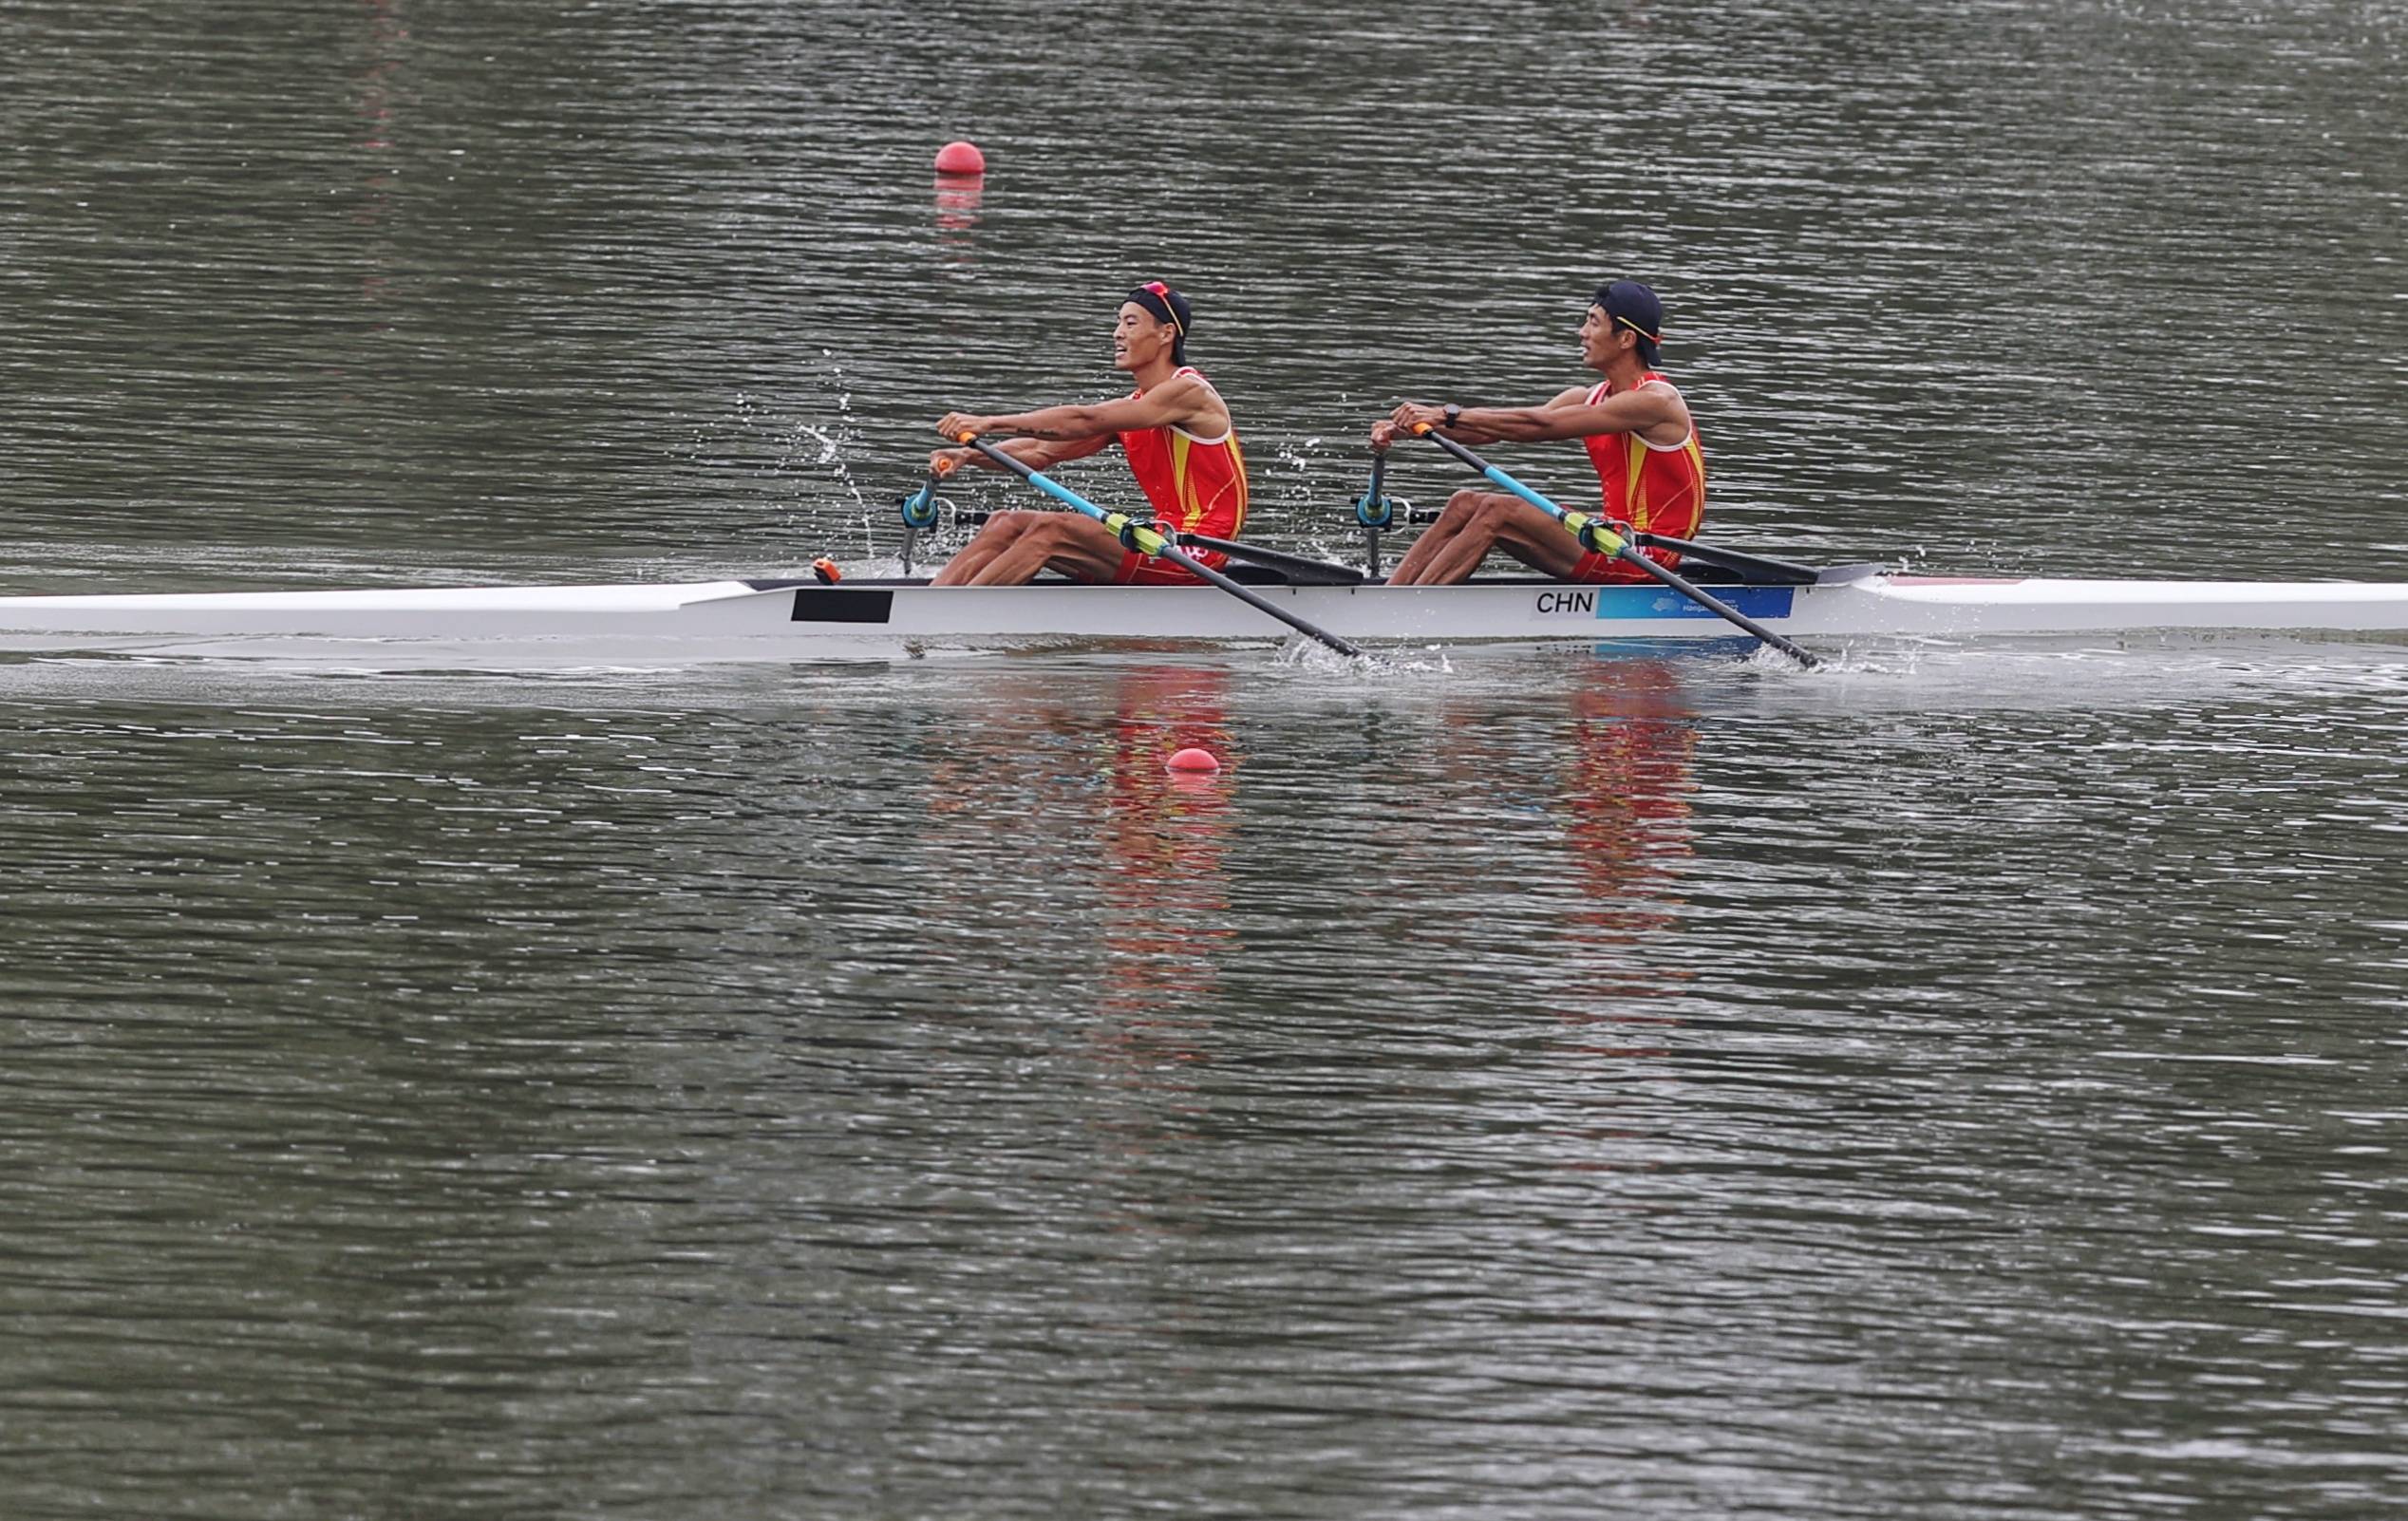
1639, 435
1175, 432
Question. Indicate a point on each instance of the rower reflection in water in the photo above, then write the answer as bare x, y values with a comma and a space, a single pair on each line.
1148, 845
1639, 435
1593, 848
1175, 431
1164, 836
1629, 827
1635, 735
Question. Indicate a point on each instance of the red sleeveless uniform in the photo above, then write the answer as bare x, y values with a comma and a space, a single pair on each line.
1655, 491
1196, 485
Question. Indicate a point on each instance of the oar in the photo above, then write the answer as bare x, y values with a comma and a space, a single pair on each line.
1594, 534
1146, 541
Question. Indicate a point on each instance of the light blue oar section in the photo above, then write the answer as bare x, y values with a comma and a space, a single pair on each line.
1499, 478
1066, 496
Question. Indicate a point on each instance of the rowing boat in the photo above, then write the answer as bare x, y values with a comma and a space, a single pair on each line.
777, 619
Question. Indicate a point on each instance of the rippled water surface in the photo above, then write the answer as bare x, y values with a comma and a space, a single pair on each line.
1964, 1082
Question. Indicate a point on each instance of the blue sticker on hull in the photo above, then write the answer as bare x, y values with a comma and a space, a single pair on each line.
1761, 602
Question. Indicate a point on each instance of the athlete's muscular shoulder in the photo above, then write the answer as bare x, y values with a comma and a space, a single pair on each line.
1192, 403
1675, 424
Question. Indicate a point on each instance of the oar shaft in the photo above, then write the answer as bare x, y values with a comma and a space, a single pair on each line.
1154, 544
1053, 488
1720, 608
1044, 482
1178, 557
1034, 477
1497, 478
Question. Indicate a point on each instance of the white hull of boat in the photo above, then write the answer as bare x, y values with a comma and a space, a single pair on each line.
677, 624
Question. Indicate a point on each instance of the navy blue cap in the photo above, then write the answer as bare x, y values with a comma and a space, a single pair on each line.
1628, 304
1165, 305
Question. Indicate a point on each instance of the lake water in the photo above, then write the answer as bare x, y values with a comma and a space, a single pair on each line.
1965, 1083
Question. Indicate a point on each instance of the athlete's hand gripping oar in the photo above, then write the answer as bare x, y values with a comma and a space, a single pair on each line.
1145, 541
1594, 534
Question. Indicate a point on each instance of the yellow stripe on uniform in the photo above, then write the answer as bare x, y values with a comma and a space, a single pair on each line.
1237, 456
1182, 489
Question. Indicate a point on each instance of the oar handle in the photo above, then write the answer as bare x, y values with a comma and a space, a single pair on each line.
1594, 534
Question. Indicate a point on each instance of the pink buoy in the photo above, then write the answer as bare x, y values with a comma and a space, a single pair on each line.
1195, 757
960, 158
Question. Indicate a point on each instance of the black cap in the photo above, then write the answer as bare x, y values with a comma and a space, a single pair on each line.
1628, 304
1167, 306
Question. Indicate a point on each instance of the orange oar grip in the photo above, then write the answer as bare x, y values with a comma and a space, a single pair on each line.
1421, 430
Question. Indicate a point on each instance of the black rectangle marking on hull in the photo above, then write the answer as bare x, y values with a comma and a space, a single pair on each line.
836, 603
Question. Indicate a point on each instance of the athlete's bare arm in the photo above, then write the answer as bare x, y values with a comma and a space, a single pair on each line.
1037, 453
1183, 402
1655, 413
1388, 429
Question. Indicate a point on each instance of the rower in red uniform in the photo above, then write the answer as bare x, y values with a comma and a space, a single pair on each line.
1175, 431
1639, 435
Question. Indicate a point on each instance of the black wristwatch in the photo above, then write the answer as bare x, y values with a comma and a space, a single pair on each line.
1454, 414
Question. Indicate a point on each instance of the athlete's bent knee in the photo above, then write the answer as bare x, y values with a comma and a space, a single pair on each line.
1060, 530
1494, 511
